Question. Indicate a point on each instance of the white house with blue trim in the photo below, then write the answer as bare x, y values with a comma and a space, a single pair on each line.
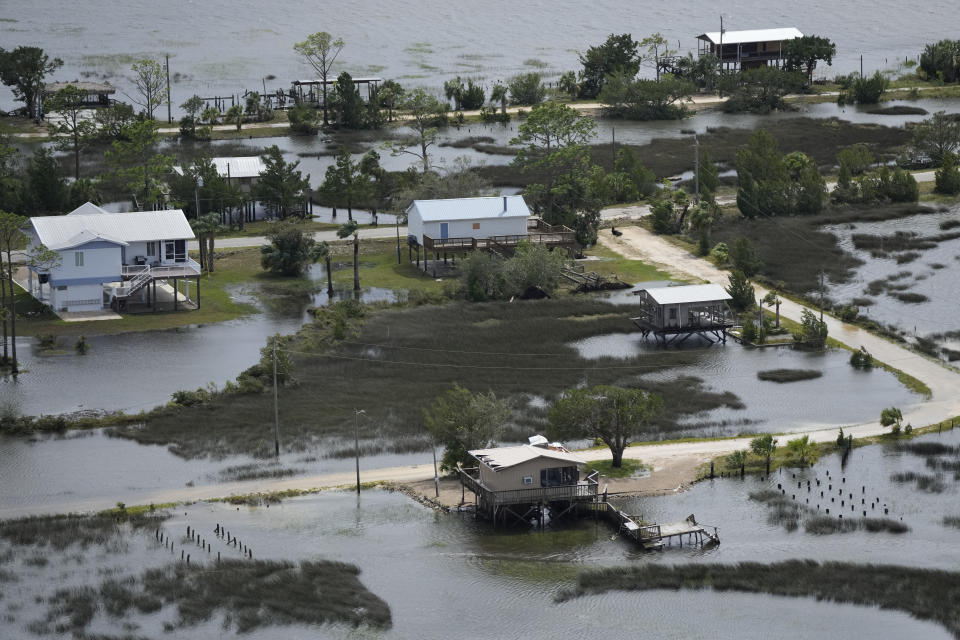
483, 217
108, 258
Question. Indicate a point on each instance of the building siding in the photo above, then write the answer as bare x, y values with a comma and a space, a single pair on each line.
512, 477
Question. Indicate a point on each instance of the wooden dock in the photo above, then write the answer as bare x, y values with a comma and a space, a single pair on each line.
653, 536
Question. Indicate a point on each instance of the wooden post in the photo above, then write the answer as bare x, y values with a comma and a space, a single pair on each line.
198, 293
176, 292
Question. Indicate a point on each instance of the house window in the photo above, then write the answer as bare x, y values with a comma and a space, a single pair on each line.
559, 476
151, 249
673, 313
78, 258
527, 479
476, 225
61, 287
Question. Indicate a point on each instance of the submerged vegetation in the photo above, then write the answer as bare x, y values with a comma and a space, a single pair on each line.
249, 593
926, 594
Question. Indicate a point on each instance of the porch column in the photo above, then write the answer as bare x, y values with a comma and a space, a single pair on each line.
198, 293
176, 293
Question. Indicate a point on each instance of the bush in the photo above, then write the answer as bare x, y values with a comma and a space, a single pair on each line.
721, 252
304, 119
744, 257
526, 89
948, 176
870, 90
861, 360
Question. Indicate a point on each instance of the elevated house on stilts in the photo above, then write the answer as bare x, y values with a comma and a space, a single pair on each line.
527, 483
673, 314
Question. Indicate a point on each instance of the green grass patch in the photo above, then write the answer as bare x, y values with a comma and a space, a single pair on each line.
379, 267
612, 264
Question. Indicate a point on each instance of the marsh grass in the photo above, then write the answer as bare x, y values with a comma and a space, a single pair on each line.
250, 594
789, 514
789, 375
926, 448
817, 137
255, 471
402, 358
61, 531
952, 521
924, 482
926, 594
795, 249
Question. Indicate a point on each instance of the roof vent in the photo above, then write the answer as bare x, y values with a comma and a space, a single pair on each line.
537, 441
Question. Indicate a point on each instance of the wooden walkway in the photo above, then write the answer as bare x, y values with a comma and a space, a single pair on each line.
653, 536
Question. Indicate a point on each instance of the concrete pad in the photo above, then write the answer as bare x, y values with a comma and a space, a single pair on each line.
88, 316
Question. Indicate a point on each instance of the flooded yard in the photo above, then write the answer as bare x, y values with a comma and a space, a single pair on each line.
425, 565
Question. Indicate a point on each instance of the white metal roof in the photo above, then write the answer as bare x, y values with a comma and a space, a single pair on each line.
75, 229
87, 209
688, 293
236, 166
504, 457
470, 208
754, 35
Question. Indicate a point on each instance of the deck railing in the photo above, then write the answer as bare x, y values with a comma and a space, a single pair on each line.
563, 236
587, 488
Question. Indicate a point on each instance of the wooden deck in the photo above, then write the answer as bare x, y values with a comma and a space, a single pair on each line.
653, 536
677, 335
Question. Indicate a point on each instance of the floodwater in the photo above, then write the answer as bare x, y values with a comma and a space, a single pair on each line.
432, 567
222, 48
138, 371
932, 274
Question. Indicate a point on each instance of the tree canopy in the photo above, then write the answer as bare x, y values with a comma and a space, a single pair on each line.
24, 69
320, 50
618, 55
461, 421
290, 251
612, 414
802, 54
552, 143
281, 185
639, 99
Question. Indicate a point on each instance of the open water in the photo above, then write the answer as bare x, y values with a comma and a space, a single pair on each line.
221, 47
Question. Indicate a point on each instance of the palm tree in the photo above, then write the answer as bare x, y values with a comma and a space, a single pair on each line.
499, 94
321, 251
206, 227
764, 446
235, 115
345, 230
738, 459
801, 447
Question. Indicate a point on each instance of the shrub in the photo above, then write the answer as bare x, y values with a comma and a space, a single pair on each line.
861, 360
304, 119
526, 89
869, 90
948, 176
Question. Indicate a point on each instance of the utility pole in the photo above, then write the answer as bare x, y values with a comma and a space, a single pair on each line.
169, 114
276, 406
436, 475
613, 147
821, 296
696, 169
356, 442
398, 239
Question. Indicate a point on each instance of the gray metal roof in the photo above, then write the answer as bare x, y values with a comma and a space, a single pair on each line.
470, 208
503, 457
754, 35
77, 228
237, 166
688, 293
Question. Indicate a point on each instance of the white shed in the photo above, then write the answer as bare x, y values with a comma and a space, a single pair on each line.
467, 218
